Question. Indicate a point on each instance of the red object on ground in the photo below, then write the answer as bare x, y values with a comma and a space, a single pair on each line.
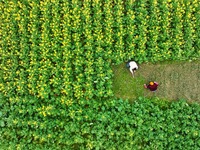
153, 87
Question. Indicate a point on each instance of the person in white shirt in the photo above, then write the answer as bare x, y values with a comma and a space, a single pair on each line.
132, 67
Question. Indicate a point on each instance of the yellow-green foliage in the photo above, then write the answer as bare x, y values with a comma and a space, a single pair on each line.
52, 48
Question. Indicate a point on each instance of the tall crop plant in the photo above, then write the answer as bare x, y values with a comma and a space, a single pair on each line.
56, 79
177, 28
45, 50
118, 29
153, 31
164, 42
10, 51
141, 32
196, 8
108, 28
102, 69
130, 21
24, 48
77, 49
67, 54
89, 51
34, 52
188, 29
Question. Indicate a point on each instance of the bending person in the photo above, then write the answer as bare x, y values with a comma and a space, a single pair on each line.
132, 67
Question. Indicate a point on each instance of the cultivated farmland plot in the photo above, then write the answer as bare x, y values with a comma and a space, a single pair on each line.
177, 80
56, 85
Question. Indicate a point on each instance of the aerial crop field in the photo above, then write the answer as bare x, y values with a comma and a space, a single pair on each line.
56, 86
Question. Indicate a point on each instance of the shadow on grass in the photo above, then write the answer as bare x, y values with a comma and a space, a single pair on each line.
177, 80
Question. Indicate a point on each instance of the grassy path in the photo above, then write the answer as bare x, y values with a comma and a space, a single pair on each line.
177, 80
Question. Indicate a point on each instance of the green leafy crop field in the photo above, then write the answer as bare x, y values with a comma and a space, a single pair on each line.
114, 124
56, 77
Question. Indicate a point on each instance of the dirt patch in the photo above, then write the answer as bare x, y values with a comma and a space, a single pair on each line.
177, 80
